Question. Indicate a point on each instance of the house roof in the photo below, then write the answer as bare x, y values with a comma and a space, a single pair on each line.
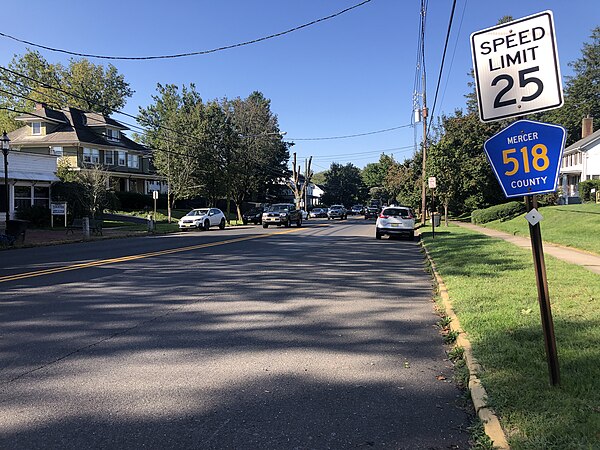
74, 127
584, 143
45, 113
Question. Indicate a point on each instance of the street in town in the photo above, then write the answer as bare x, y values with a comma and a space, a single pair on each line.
311, 337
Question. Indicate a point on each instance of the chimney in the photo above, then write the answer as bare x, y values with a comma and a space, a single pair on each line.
40, 106
587, 127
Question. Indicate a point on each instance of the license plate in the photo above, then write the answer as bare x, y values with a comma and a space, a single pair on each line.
395, 225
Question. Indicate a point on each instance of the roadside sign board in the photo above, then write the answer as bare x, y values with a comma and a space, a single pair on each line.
155, 195
432, 182
516, 68
58, 209
526, 157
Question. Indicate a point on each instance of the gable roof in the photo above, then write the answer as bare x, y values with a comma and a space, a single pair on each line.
74, 127
583, 143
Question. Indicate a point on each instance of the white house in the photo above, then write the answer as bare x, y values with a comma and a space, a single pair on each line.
29, 178
581, 161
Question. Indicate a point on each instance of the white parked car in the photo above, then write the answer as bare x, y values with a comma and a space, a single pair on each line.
202, 219
304, 214
395, 221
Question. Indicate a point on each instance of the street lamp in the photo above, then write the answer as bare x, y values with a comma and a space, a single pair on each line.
5, 149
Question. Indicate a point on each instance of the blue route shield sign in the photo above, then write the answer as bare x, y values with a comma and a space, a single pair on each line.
526, 157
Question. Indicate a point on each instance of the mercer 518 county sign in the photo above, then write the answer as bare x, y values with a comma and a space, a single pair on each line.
526, 157
516, 68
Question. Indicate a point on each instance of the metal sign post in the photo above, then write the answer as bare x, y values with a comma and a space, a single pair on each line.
432, 185
533, 217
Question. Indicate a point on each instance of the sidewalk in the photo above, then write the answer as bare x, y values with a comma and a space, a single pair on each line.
588, 260
36, 238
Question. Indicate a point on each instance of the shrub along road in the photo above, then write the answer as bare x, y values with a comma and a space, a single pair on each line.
313, 337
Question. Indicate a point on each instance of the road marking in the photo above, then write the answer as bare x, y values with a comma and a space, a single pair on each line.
103, 262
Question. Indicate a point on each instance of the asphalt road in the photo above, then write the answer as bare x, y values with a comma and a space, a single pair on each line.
318, 337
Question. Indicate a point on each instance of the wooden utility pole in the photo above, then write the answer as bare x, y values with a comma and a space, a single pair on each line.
423, 190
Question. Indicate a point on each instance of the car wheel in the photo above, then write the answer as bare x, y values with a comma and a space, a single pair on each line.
288, 223
299, 222
245, 222
222, 224
265, 225
377, 235
411, 236
206, 225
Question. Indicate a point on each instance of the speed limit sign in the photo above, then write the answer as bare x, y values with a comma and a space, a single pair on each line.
516, 68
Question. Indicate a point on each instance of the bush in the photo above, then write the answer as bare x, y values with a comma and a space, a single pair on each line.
37, 216
134, 200
585, 190
505, 211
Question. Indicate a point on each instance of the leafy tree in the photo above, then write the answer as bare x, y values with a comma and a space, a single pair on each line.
32, 79
582, 91
96, 195
173, 124
319, 178
260, 159
404, 180
343, 184
375, 175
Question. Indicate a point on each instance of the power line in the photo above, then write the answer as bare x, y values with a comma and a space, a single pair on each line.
350, 135
181, 55
442, 65
454, 51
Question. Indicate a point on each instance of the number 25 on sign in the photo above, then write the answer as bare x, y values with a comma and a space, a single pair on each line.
539, 159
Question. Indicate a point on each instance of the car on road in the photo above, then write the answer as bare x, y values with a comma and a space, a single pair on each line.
395, 221
282, 214
304, 214
357, 209
337, 212
371, 212
202, 219
254, 216
318, 213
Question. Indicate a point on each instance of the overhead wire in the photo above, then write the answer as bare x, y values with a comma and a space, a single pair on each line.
187, 54
441, 66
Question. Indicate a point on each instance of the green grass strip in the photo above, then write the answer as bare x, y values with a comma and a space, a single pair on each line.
492, 287
576, 226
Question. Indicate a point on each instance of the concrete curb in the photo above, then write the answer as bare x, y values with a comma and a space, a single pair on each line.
488, 417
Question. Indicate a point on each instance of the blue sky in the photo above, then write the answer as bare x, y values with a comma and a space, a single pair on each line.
348, 75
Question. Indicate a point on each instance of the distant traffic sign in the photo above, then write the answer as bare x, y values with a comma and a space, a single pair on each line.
516, 68
526, 157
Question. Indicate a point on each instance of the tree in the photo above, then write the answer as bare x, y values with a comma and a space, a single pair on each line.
299, 188
95, 192
173, 125
582, 91
260, 159
343, 184
374, 175
81, 84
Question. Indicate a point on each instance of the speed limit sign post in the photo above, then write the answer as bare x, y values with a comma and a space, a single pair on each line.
517, 73
516, 68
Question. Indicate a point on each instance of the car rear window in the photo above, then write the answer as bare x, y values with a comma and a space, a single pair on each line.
397, 212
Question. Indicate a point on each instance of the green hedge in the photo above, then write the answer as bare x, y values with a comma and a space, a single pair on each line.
134, 201
37, 216
585, 190
505, 211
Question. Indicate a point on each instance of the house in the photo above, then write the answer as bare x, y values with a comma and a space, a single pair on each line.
87, 139
581, 161
30, 177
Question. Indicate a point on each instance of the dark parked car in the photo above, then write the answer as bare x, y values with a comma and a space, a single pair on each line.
282, 214
318, 213
371, 212
254, 216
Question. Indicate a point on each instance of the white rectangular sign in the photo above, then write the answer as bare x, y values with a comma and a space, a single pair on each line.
432, 182
58, 209
516, 68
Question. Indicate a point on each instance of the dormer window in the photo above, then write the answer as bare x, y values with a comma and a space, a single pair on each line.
112, 135
36, 128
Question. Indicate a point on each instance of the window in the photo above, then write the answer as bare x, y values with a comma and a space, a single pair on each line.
109, 157
91, 155
122, 158
56, 151
133, 161
22, 197
112, 135
36, 128
41, 196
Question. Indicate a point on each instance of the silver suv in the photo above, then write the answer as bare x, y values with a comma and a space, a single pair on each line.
337, 212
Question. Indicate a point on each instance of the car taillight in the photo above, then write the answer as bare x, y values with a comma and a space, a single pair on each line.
410, 216
383, 216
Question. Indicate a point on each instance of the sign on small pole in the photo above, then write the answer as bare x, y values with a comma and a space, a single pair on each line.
58, 209
154, 197
432, 185
516, 73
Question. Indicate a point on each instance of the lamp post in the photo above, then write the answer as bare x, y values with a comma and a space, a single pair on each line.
5, 149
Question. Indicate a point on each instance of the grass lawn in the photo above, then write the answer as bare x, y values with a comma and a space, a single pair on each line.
576, 226
492, 286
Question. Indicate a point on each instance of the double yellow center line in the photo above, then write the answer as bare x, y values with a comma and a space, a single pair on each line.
103, 262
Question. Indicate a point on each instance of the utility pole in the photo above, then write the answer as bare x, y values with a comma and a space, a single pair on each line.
423, 190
